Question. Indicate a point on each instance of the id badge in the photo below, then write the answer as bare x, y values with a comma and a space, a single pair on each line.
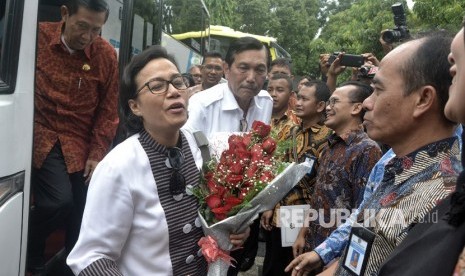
309, 162
358, 251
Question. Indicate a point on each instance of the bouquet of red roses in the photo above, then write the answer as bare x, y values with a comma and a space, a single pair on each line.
244, 181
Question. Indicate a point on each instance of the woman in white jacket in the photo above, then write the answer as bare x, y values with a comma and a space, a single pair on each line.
139, 218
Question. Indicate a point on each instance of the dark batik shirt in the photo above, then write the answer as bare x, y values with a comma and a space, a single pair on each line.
412, 185
341, 177
309, 141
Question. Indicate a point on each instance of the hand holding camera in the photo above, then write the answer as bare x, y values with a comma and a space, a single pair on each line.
335, 67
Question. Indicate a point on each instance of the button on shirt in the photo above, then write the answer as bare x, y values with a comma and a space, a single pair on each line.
216, 110
75, 99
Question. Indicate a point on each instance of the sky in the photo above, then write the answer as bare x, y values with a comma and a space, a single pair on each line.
410, 4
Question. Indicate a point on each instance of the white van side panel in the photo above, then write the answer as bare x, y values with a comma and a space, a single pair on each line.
16, 132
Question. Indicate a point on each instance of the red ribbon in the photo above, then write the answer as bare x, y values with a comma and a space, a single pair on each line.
212, 252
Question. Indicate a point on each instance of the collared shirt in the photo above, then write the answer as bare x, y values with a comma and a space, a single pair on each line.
75, 100
412, 185
216, 110
284, 124
309, 141
341, 177
333, 246
131, 223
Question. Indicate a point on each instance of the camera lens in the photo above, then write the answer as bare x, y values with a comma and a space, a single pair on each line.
392, 35
364, 70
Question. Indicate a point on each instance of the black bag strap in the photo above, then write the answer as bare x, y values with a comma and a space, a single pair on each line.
202, 143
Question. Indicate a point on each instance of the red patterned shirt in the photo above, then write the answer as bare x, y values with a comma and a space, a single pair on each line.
76, 99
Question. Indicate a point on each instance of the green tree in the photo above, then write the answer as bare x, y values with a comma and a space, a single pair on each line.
223, 12
298, 25
445, 14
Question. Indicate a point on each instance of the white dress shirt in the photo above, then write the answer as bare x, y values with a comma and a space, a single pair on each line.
216, 110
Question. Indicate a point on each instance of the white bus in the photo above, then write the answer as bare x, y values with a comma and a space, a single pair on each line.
132, 25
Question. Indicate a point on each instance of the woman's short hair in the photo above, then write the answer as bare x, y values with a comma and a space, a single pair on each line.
128, 87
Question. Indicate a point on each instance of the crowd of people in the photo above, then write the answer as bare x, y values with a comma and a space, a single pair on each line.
386, 195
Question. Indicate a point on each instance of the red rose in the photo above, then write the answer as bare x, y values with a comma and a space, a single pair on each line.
213, 201
257, 153
236, 142
261, 129
247, 139
243, 156
236, 168
269, 145
252, 170
266, 176
221, 212
234, 179
219, 215
266, 161
232, 201
243, 192
247, 184
227, 157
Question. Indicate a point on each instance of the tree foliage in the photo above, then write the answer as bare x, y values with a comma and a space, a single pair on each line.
350, 25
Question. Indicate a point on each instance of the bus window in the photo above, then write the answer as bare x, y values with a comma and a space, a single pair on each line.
10, 23
2, 26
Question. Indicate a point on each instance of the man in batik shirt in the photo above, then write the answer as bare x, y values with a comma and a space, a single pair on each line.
344, 165
411, 89
283, 119
309, 140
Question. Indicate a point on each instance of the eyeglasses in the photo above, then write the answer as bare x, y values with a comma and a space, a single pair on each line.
160, 86
332, 101
174, 161
210, 67
243, 125
197, 76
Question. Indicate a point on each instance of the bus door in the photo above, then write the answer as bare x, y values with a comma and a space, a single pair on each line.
18, 22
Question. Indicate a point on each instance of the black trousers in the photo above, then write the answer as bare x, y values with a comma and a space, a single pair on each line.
277, 258
249, 249
59, 200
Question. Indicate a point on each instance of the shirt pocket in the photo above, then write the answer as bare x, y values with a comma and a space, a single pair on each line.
85, 93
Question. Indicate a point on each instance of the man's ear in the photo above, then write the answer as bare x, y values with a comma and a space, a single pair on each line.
226, 69
320, 107
356, 109
134, 106
426, 97
64, 13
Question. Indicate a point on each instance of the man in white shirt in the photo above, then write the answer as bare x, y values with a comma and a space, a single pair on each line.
233, 106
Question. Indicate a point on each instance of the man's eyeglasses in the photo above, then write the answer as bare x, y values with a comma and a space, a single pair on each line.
332, 101
210, 67
174, 161
160, 86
